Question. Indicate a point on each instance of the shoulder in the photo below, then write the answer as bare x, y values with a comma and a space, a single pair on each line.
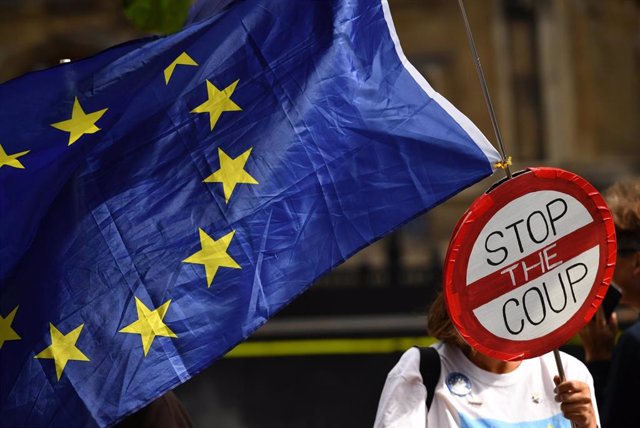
402, 402
407, 370
408, 366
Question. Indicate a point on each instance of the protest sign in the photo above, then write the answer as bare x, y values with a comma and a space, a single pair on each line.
529, 263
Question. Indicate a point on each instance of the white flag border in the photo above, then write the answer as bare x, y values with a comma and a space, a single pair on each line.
469, 127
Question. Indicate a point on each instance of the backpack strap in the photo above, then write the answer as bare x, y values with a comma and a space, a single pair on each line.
430, 371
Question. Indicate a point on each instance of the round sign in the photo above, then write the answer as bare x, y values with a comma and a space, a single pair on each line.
529, 263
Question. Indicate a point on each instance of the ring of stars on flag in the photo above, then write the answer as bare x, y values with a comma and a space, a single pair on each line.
213, 253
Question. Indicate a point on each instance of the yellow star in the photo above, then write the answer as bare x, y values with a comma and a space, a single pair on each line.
63, 348
183, 59
11, 160
80, 122
231, 172
213, 254
149, 324
218, 102
6, 332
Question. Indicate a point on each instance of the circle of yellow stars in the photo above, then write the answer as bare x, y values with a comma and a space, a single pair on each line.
213, 253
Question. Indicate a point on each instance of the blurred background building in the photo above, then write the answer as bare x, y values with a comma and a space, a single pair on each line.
564, 76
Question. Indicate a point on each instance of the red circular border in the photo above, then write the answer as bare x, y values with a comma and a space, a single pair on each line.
470, 226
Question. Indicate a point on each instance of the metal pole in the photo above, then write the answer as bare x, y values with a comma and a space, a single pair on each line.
556, 355
485, 89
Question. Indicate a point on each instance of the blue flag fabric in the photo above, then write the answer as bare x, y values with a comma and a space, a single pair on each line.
161, 200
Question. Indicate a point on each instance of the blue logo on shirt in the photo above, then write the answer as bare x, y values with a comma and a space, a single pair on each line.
458, 384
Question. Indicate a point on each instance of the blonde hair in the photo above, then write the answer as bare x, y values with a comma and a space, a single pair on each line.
623, 199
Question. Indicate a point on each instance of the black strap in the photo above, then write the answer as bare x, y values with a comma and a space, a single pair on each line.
430, 371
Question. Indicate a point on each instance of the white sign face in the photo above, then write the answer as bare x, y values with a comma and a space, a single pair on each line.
528, 264
547, 292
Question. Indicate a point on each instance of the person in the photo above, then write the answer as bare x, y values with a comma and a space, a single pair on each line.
616, 367
475, 390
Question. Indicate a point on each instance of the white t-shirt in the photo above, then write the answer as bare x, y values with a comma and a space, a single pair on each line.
468, 396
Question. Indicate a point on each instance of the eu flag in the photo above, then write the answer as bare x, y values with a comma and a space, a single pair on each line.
162, 199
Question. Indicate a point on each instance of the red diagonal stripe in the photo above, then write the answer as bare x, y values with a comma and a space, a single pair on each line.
496, 284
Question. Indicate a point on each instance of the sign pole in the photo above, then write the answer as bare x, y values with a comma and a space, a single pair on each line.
505, 162
556, 355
